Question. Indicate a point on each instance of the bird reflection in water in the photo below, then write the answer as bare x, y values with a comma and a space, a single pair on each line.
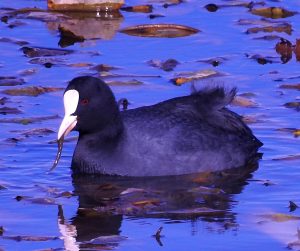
105, 200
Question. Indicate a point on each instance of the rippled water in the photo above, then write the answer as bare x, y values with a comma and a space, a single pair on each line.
253, 213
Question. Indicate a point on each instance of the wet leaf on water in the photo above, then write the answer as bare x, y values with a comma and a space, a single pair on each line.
138, 8
103, 67
2, 187
33, 52
13, 41
1, 230
280, 217
34, 132
31, 91
160, 30
42, 201
15, 24
213, 61
80, 65
288, 157
268, 37
290, 86
144, 203
28, 72
285, 49
286, 28
4, 19
247, 95
26, 121
251, 119
9, 110
273, 12
297, 49
30, 238
244, 102
261, 59
3, 100
191, 76
211, 7
293, 206
167, 65
261, 22
67, 37
13, 140
152, 16
295, 105
132, 82
47, 62
11, 81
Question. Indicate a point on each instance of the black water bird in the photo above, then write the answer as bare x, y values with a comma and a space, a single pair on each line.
183, 135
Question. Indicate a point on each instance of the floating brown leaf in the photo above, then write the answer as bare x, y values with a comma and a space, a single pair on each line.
191, 76
3, 100
139, 8
33, 52
285, 49
297, 49
144, 203
244, 102
80, 65
34, 132
26, 121
279, 217
295, 105
9, 110
290, 86
132, 82
103, 67
287, 28
268, 37
152, 16
13, 41
167, 65
289, 157
160, 30
213, 61
11, 81
31, 91
28, 72
272, 12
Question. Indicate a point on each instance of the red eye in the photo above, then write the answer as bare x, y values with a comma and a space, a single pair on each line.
84, 101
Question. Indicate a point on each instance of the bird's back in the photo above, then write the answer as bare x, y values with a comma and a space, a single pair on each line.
188, 134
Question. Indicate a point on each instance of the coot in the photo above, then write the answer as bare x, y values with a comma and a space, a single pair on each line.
183, 135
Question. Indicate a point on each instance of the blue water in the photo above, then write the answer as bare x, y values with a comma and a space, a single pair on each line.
24, 164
